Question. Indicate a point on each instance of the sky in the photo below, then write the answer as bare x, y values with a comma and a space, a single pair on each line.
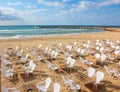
60, 12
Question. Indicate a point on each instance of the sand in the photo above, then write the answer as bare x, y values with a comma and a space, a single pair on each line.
41, 72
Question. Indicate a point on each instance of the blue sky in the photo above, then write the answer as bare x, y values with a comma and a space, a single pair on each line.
60, 12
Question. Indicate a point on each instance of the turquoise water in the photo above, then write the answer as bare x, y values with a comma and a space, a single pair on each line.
31, 30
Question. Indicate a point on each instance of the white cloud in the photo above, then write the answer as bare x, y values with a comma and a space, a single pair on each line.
109, 2
9, 14
9, 11
54, 4
14, 3
82, 5
35, 11
30, 6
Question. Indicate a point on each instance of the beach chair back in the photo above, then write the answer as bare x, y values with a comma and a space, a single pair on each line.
57, 87
60, 44
17, 47
102, 58
68, 59
30, 63
74, 86
39, 46
99, 76
66, 80
55, 54
82, 51
78, 50
47, 82
91, 72
101, 49
27, 55
116, 52
97, 48
97, 55
33, 66
106, 68
21, 51
72, 62
8, 73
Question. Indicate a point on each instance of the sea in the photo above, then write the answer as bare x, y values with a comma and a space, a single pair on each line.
23, 31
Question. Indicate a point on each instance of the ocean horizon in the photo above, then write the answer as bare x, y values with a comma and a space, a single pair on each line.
20, 31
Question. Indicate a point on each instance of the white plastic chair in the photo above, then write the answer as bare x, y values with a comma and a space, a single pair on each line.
97, 55
54, 54
91, 72
99, 78
6, 62
39, 47
116, 74
46, 50
83, 60
6, 56
71, 63
19, 54
7, 73
14, 89
66, 80
102, 58
82, 52
39, 58
23, 60
29, 64
68, 59
57, 87
74, 86
51, 65
108, 70
46, 87
60, 44
78, 50
4, 89
30, 69
117, 52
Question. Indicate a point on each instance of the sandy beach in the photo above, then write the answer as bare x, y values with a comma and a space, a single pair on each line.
109, 84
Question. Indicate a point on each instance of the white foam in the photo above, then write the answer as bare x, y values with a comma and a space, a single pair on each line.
19, 37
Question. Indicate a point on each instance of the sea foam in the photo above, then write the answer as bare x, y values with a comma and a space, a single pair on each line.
19, 37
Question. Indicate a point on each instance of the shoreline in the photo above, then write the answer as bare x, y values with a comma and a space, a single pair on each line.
37, 36
50, 35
